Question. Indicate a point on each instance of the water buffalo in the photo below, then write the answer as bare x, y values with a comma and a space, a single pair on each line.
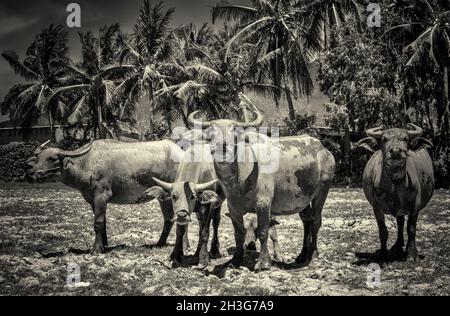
251, 233
109, 171
189, 193
300, 184
398, 180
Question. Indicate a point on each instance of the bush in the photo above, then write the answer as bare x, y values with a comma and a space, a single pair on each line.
348, 173
13, 157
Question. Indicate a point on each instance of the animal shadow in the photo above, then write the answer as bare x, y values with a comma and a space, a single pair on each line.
366, 258
249, 262
155, 246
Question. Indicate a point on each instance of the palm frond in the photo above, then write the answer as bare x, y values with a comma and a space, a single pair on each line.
246, 32
79, 111
109, 88
77, 88
205, 73
19, 68
188, 88
239, 13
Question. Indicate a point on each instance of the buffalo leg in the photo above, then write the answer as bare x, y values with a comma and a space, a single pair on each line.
167, 210
105, 236
215, 245
186, 245
203, 259
99, 224
177, 253
239, 237
277, 255
307, 219
200, 225
317, 207
397, 248
411, 245
263, 236
383, 234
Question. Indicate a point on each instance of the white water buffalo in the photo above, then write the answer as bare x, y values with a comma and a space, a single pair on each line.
189, 193
398, 180
109, 171
251, 233
299, 185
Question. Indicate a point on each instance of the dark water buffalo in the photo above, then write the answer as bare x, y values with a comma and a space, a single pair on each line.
398, 180
109, 171
297, 180
195, 189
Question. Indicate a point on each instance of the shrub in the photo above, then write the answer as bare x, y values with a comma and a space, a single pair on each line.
13, 157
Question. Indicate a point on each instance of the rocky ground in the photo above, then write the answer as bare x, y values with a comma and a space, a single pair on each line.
46, 231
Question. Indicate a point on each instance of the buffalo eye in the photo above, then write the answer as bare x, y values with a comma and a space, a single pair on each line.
174, 196
54, 158
193, 197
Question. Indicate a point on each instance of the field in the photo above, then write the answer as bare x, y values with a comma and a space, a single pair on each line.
46, 228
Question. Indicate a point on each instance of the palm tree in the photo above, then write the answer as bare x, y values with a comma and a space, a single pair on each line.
213, 83
321, 16
148, 54
41, 68
275, 26
433, 38
90, 85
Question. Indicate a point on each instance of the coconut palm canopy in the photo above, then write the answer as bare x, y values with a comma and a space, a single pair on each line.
262, 47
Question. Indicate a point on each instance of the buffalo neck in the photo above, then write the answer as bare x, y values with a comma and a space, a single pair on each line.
71, 175
231, 175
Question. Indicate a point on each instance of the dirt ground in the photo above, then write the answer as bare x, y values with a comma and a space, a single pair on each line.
45, 229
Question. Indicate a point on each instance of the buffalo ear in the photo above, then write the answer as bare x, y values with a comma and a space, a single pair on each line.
67, 162
273, 222
209, 197
419, 143
153, 193
368, 143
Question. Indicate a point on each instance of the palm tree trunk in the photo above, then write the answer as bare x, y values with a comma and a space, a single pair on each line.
445, 123
100, 122
51, 125
152, 115
290, 104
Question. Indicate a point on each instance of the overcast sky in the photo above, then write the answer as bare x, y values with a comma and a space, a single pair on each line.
20, 20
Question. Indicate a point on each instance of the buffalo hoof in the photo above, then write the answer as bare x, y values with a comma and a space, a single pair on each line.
235, 262
176, 257
412, 255
262, 265
160, 244
397, 251
202, 264
306, 257
303, 260
278, 257
382, 254
215, 252
98, 249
